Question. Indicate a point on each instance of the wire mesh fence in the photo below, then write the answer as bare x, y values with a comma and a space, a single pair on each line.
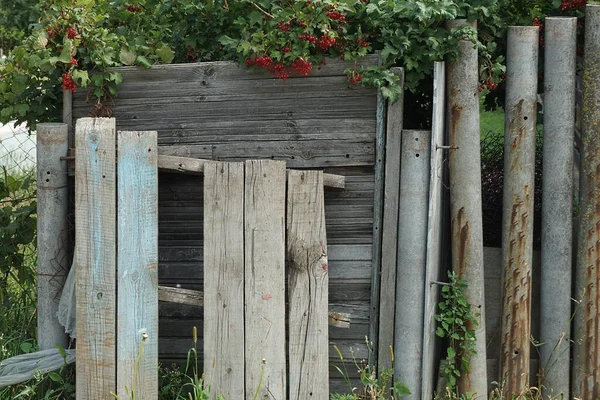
18, 253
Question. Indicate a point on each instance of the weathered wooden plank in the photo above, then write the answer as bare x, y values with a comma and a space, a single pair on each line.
204, 74
224, 279
389, 236
353, 107
196, 166
377, 222
264, 213
336, 253
95, 231
308, 281
433, 266
313, 154
137, 265
180, 296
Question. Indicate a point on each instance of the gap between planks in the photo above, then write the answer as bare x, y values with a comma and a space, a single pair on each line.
196, 298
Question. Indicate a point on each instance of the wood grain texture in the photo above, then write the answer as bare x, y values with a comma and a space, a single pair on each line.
196, 166
389, 235
308, 282
180, 296
95, 263
224, 279
264, 227
433, 266
137, 264
378, 195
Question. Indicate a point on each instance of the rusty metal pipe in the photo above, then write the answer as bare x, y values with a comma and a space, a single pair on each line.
586, 357
465, 196
517, 215
557, 205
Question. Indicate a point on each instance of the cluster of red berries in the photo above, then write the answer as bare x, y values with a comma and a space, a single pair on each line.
491, 85
325, 42
301, 66
133, 9
570, 4
74, 62
308, 38
284, 26
362, 43
537, 22
286, 49
264, 61
68, 83
280, 71
71, 33
354, 77
336, 16
192, 55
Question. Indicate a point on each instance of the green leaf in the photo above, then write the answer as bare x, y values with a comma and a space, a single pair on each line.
401, 390
440, 332
451, 353
143, 61
127, 56
55, 377
26, 347
82, 77
166, 54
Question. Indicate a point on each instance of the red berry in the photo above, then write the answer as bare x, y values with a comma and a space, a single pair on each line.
308, 38
336, 15
286, 49
355, 77
71, 33
301, 66
68, 83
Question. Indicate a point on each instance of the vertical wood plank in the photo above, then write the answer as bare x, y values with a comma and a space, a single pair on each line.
307, 286
264, 197
377, 222
224, 279
137, 265
95, 213
433, 264
389, 238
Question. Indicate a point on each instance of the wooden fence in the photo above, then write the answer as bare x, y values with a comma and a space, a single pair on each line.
219, 111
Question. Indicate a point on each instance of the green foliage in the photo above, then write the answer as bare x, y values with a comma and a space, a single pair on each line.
15, 18
76, 42
457, 323
372, 385
17, 231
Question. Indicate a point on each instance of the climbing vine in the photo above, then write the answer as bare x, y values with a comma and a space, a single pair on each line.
457, 322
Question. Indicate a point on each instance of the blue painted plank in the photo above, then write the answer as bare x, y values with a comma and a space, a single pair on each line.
95, 257
137, 265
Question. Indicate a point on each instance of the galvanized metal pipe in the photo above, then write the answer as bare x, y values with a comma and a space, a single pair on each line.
465, 197
557, 205
517, 216
586, 363
412, 252
52, 230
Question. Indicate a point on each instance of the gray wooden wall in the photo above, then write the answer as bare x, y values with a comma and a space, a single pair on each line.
220, 111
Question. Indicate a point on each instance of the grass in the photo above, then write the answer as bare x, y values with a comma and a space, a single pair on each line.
491, 121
